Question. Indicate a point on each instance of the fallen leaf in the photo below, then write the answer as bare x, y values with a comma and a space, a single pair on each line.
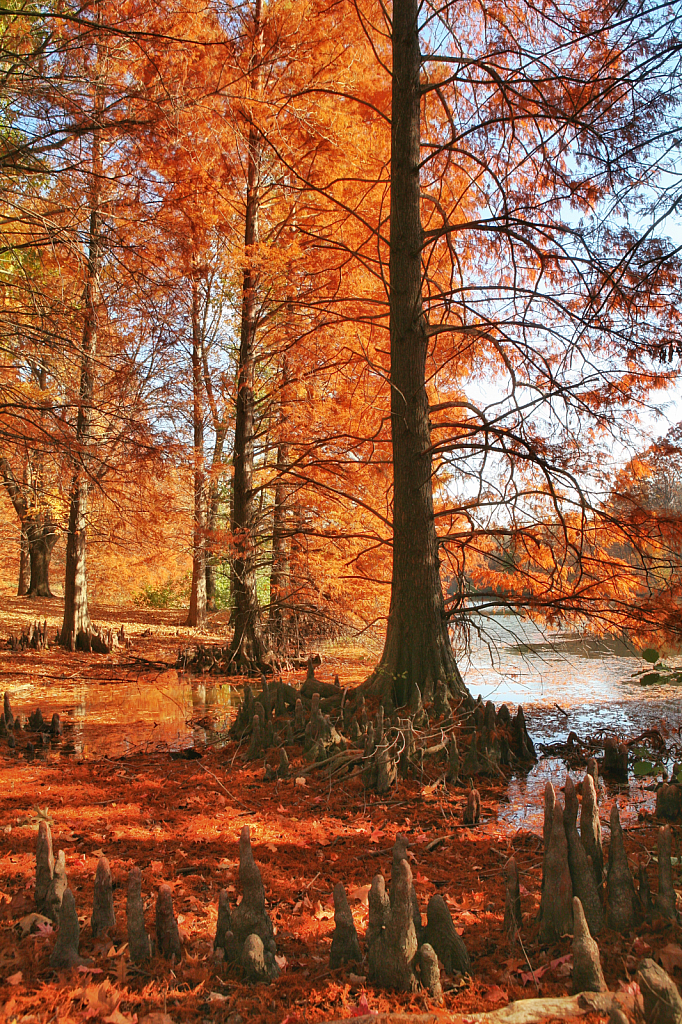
376, 835
14, 979
300, 781
216, 997
362, 1009
271, 847
527, 976
361, 893
494, 994
116, 1017
640, 947
670, 957
281, 962
34, 923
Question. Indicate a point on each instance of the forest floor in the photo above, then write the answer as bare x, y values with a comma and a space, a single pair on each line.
180, 820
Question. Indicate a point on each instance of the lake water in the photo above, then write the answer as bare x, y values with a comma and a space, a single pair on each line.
565, 683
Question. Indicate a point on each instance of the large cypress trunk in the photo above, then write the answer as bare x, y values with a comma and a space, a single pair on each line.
417, 651
248, 645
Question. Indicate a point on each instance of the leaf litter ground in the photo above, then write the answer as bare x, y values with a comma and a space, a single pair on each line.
179, 821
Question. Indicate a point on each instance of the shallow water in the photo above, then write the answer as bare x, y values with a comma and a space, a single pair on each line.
131, 715
565, 683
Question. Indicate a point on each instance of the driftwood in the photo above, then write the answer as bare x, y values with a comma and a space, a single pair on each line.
523, 1011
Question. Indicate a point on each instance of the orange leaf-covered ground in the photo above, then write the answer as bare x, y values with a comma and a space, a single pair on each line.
179, 821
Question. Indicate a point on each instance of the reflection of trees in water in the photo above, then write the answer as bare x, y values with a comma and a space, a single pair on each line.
211, 705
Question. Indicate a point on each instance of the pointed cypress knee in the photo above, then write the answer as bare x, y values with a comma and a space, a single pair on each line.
666, 900
472, 811
57, 888
44, 865
103, 918
512, 901
138, 940
582, 875
430, 972
379, 910
623, 904
556, 906
167, 932
65, 953
548, 821
393, 953
399, 854
587, 972
440, 932
345, 946
224, 936
590, 829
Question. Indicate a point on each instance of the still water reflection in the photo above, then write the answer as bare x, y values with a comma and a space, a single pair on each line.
564, 682
121, 717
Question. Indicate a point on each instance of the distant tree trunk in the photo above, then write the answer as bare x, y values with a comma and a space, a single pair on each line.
417, 650
279, 573
197, 601
42, 538
38, 537
211, 527
248, 645
76, 617
24, 564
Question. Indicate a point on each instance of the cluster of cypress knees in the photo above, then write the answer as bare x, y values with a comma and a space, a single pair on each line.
402, 953
11, 724
337, 732
93, 640
572, 894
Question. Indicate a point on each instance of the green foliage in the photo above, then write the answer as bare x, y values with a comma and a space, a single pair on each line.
646, 763
171, 594
650, 655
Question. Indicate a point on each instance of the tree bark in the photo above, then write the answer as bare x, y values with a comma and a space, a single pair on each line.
279, 573
248, 645
76, 617
42, 538
24, 564
197, 601
417, 650
38, 536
